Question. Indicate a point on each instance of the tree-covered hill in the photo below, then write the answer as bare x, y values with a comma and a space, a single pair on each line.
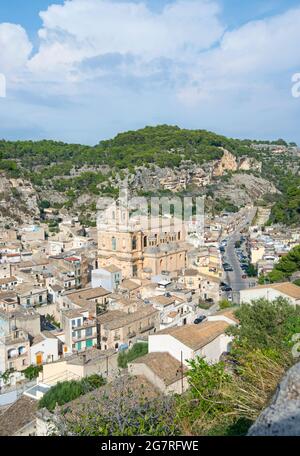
163, 145
73, 169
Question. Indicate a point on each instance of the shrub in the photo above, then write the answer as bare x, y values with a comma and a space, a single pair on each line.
67, 391
224, 304
138, 350
32, 372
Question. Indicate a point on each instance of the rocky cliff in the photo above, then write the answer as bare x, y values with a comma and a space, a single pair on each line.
18, 201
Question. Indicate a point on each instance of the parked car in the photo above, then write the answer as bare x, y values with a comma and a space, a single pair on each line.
227, 289
199, 319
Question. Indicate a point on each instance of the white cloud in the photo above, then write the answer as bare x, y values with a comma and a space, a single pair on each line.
246, 58
84, 29
178, 64
15, 47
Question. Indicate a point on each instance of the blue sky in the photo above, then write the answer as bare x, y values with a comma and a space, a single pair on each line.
84, 70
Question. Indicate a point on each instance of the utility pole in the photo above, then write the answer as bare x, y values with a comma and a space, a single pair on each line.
181, 368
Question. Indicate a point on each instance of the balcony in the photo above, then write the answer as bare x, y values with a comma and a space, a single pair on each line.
85, 324
147, 328
130, 335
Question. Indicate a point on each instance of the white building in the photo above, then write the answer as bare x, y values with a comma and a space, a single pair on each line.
174, 310
206, 340
44, 349
272, 291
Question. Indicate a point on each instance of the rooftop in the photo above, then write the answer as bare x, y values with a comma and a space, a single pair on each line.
287, 288
115, 319
167, 368
19, 414
196, 336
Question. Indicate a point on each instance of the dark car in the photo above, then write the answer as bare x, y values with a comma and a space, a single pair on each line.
227, 289
199, 319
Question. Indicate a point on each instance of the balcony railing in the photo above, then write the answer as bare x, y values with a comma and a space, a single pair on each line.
147, 328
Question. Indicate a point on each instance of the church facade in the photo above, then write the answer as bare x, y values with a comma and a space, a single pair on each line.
138, 249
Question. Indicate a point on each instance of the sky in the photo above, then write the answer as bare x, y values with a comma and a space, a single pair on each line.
84, 70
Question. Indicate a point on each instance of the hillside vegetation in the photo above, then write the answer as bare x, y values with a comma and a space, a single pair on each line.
67, 171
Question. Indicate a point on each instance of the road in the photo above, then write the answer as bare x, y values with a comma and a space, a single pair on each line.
234, 279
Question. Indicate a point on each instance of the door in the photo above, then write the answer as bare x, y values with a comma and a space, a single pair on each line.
39, 359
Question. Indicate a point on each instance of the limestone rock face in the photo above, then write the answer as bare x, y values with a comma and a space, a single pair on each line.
282, 417
227, 163
249, 164
18, 200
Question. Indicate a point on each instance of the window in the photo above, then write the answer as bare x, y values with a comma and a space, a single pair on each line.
134, 271
145, 241
179, 235
40, 299
133, 244
114, 243
79, 322
73, 322
28, 301
88, 332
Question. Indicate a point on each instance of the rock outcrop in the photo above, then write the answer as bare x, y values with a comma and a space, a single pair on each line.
227, 163
282, 417
18, 201
249, 164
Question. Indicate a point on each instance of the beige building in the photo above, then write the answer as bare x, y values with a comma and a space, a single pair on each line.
162, 370
81, 365
30, 295
137, 250
14, 350
117, 328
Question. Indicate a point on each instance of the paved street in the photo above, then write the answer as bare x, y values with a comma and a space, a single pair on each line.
234, 279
